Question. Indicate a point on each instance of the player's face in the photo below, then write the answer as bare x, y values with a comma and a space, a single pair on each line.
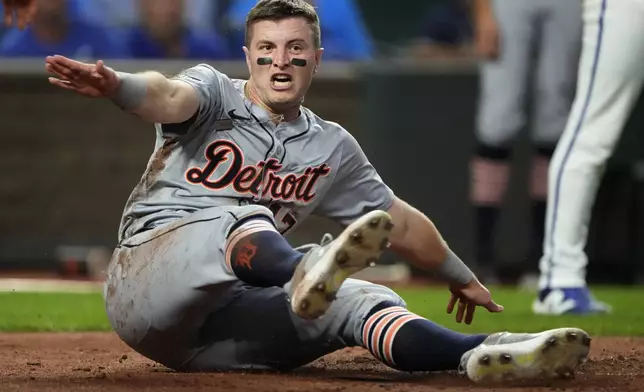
282, 85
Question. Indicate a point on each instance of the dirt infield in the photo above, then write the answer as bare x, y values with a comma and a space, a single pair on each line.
100, 362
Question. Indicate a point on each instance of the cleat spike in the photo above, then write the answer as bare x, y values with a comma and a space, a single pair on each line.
505, 359
384, 244
484, 360
586, 341
342, 257
356, 237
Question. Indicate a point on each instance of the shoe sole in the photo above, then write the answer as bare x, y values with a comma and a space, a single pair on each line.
356, 248
552, 354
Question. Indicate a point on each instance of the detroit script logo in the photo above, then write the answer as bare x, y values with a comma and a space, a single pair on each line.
246, 179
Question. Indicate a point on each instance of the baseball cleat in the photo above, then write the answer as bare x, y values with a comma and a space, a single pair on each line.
576, 300
508, 356
325, 267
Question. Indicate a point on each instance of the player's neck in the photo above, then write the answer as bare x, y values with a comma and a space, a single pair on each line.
277, 116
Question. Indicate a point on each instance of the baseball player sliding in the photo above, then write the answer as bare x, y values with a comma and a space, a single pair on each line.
608, 85
202, 277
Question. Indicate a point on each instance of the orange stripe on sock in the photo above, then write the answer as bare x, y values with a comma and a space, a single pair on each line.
372, 319
378, 332
391, 334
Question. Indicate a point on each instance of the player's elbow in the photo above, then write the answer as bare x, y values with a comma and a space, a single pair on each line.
180, 103
167, 101
415, 236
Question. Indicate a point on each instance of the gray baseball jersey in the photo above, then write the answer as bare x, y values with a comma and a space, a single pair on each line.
231, 153
168, 293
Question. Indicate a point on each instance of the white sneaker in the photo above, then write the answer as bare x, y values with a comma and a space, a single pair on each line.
508, 356
574, 300
324, 268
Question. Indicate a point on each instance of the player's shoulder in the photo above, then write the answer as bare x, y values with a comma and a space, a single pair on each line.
325, 126
333, 133
229, 88
203, 71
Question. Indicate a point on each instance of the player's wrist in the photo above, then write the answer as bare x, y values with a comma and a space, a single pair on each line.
454, 270
130, 91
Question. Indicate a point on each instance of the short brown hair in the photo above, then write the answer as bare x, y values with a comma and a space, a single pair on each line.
282, 9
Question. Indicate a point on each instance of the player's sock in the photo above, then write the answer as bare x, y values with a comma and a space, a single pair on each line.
408, 342
490, 173
259, 255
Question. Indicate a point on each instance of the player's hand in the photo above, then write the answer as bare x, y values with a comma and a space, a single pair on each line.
487, 38
468, 297
18, 12
91, 80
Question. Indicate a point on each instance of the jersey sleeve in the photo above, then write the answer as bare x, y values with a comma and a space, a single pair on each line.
207, 82
357, 188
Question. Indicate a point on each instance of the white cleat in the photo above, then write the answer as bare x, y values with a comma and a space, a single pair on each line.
324, 268
507, 356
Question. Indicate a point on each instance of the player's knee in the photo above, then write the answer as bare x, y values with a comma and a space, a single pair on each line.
258, 254
384, 296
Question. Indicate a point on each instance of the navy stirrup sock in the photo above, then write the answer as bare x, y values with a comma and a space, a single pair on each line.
259, 255
408, 342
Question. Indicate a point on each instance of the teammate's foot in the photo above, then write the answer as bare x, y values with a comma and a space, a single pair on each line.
508, 356
576, 300
324, 268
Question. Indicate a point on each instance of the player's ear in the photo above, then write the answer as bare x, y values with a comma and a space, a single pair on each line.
247, 54
318, 59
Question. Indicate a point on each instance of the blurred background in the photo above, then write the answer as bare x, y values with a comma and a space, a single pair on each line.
403, 77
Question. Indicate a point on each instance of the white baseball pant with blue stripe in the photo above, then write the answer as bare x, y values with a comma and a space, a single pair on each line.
609, 82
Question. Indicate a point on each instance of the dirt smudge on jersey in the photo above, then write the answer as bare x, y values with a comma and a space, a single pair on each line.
158, 162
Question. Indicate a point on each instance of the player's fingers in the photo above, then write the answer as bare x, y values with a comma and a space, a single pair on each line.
67, 85
460, 312
73, 83
61, 71
100, 67
105, 71
75, 66
56, 74
451, 304
469, 314
493, 307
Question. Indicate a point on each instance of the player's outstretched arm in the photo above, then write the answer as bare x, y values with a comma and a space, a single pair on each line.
416, 238
150, 95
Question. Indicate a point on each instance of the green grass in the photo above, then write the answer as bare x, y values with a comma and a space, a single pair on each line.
56, 312
85, 312
627, 318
